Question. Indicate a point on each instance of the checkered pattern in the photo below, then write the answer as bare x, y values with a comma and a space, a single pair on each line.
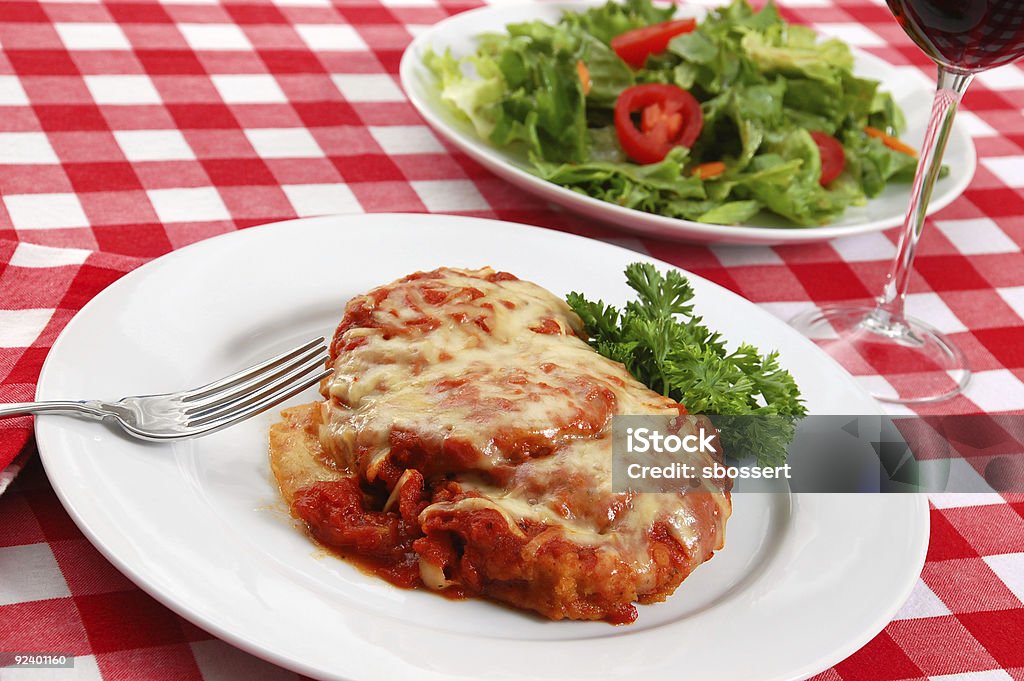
129, 128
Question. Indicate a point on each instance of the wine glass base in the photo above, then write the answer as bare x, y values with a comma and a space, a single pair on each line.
919, 362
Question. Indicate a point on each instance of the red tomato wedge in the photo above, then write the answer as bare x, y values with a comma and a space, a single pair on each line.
833, 159
633, 47
669, 117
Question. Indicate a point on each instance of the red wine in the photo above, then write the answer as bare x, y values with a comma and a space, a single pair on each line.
967, 35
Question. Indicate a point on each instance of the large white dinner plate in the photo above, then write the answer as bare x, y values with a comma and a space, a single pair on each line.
911, 89
803, 581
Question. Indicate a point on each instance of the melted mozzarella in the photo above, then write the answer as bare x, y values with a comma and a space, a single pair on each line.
467, 361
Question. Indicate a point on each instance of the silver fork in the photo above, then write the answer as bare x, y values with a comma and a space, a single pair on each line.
205, 409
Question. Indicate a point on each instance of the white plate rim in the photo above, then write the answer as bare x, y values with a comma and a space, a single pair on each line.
47, 431
412, 72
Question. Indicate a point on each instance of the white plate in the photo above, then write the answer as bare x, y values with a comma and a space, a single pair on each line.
803, 581
913, 92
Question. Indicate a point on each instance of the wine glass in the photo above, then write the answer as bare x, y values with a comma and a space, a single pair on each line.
921, 364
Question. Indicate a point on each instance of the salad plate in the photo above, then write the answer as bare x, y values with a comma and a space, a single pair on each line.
910, 88
803, 581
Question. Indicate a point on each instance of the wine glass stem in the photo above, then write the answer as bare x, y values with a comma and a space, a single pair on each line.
951, 87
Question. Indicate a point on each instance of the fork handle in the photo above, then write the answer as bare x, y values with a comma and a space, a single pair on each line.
85, 408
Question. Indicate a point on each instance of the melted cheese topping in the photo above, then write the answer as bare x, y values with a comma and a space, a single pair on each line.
483, 376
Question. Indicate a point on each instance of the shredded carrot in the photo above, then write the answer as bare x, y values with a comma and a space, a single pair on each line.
706, 171
891, 142
584, 73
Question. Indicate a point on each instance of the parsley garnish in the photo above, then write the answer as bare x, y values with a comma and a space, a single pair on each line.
665, 346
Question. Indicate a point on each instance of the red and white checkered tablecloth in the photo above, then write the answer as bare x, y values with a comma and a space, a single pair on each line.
131, 128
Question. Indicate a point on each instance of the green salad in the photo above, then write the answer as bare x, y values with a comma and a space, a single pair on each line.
713, 121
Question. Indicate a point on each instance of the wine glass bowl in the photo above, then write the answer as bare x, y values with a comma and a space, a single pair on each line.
969, 35
920, 363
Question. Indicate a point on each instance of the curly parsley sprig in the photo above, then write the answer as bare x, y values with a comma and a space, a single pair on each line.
665, 346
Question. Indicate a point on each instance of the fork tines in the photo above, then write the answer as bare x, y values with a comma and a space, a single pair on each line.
256, 388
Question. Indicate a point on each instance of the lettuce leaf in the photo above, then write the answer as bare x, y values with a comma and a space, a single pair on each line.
474, 99
796, 51
656, 187
611, 19
872, 164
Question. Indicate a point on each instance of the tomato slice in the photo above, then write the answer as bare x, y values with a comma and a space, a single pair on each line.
669, 117
633, 47
833, 159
